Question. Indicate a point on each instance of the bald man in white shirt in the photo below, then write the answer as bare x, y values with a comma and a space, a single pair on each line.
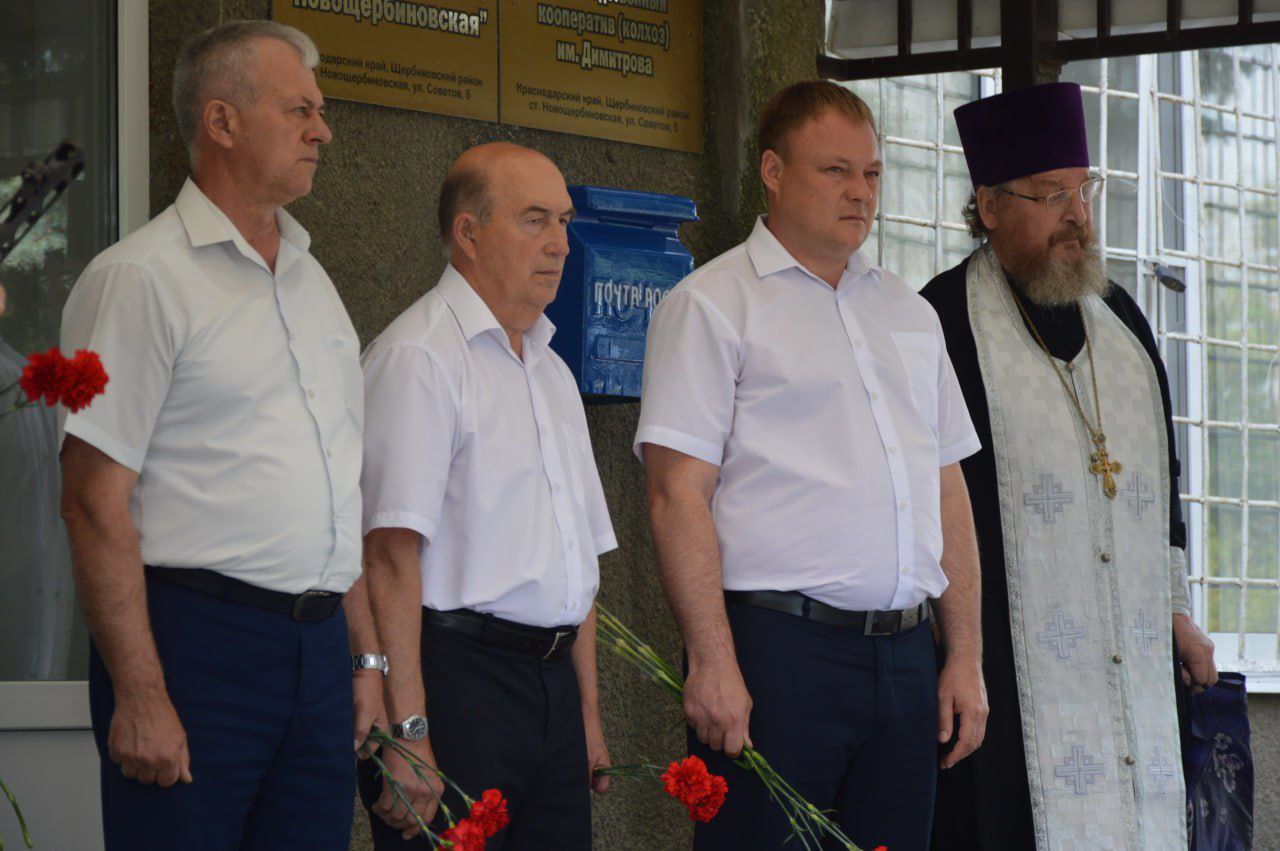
484, 516
801, 429
225, 457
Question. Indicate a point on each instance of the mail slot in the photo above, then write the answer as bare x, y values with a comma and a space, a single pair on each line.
625, 255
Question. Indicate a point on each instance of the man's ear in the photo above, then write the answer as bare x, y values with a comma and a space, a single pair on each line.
463, 233
771, 168
987, 207
221, 122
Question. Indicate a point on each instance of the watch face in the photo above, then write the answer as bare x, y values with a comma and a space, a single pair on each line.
415, 728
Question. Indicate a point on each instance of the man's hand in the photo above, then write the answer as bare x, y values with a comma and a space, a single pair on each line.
961, 691
423, 797
147, 740
370, 712
1195, 650
597, 753
718, 707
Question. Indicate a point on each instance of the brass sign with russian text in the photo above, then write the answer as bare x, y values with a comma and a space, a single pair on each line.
404, 54
615, 69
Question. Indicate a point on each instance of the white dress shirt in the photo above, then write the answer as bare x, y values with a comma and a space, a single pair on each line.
234, 393
829, 413
487, 456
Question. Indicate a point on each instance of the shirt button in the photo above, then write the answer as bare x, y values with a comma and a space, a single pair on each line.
875, 395
555, 487
893, 450
1071, 367
573, 545
1129, 760
311, 394
1117, 658
1106, 556
292, 336
328, 453
902, 504
906, 570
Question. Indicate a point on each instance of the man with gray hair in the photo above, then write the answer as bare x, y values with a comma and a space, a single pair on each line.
212, 494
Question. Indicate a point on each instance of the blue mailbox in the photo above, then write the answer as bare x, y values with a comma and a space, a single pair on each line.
625, 255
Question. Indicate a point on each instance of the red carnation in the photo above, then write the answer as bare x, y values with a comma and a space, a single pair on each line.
465, 836
490, 812
44, 375
689, 782
84, 380
75, 382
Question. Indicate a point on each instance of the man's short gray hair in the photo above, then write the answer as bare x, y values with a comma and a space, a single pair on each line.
219, 63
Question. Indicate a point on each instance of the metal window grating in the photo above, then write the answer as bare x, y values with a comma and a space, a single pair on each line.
1180, 224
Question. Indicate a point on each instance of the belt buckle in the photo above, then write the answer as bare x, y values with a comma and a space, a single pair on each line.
873, 624
555, 644
304, 606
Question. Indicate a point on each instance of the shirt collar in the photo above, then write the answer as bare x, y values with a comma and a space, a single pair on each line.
769, 257
206, 224
475, 317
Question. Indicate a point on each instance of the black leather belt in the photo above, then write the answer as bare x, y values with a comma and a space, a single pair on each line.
308, 606
546, 643
802, 606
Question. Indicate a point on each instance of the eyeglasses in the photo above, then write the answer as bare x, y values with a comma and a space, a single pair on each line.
1058, 202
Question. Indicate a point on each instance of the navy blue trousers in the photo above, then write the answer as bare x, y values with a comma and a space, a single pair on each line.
502, 720
266, 704
850, 721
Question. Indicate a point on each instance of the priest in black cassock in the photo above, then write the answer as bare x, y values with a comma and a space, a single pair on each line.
1075, 497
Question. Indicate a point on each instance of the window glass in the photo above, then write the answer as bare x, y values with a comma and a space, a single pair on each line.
57, 81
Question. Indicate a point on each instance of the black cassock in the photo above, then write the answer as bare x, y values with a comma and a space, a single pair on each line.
985, 802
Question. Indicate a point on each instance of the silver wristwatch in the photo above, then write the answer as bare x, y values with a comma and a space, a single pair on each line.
369, 662
411, 729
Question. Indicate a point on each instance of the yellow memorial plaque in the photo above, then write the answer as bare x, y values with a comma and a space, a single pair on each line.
616, 69
437, 58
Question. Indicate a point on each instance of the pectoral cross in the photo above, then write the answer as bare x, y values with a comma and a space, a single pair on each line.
1103, 466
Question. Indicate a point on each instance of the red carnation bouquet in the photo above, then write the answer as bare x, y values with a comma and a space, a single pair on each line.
485, 816
813, 828
73, 382
687, 780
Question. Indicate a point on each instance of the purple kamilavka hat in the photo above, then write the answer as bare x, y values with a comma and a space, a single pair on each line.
1022, 132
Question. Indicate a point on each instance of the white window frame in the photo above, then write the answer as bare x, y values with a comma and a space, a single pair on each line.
1240, 650
1256, 654
64, 704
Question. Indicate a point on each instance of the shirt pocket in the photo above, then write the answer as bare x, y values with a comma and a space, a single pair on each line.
345, 354
918, 352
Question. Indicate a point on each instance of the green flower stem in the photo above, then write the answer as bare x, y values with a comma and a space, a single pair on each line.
398, 794
444, 808
808, 823
22, 822
416, 763
642, 771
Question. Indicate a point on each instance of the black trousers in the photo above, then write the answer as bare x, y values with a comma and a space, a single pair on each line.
850, 721
507, 721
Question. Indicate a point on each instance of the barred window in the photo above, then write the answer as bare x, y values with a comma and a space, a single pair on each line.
1190, 226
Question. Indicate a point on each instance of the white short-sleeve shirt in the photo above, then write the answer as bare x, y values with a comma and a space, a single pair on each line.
829, 413
487, 456
234, 393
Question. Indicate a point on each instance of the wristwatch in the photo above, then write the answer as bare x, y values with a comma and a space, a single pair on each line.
369, 662
411, 729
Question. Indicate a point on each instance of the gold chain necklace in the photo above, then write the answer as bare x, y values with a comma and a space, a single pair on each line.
1101, 464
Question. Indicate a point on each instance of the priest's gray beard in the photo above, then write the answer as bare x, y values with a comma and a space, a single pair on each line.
1056, 283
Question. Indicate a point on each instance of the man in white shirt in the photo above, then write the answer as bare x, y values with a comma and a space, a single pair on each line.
225, 457
801, 429
484, 516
